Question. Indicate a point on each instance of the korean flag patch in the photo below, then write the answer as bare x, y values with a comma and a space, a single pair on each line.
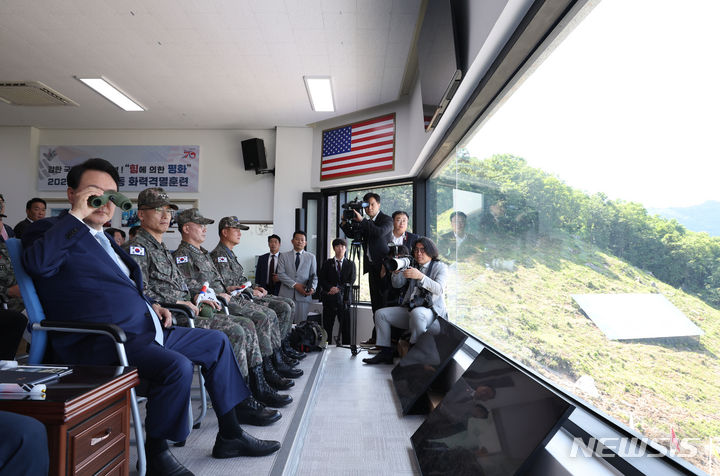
137, 250
181, 259
222, 259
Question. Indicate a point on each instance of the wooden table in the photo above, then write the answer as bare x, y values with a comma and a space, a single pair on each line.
87, 416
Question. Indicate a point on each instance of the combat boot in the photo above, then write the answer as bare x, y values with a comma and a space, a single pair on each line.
263, 392
282, 368
252, 412
288, 360
292, 352
273, 379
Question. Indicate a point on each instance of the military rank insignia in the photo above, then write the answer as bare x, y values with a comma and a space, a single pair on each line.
181, 259
222, 259
137, 250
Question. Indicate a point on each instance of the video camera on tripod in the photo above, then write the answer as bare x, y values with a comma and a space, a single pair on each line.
348, 215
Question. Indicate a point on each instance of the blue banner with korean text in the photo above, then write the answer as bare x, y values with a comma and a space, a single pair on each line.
172, 167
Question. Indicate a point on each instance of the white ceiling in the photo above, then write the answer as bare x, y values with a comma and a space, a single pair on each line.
210, 64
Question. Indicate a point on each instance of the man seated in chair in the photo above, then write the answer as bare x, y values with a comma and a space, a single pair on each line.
82, 276
164, 283
233, 274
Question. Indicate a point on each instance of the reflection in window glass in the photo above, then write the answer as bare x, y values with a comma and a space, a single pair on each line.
392, 198
332, 223
598, 175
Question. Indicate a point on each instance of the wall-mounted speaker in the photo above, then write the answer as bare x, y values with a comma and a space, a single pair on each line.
253, 151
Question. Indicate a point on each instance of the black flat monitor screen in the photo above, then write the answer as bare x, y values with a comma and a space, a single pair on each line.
438, 61
414, 374
490, 422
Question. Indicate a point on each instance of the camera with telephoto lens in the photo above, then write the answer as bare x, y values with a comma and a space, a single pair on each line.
352, 206
398, 258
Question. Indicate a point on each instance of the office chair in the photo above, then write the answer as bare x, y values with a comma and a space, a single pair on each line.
41, 326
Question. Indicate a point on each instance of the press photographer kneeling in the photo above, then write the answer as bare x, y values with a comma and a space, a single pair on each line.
423, 300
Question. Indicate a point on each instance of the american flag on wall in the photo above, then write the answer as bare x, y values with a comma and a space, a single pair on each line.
360, 148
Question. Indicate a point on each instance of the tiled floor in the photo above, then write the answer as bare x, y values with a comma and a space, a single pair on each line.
355, 425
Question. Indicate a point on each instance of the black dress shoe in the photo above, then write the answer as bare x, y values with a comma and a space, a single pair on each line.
244, 445
165, 464
383, 357
252, 412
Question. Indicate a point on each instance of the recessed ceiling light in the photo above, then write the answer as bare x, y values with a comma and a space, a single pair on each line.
319, 90
111, 93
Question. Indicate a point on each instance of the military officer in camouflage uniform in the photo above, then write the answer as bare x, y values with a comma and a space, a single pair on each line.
233, 275
164, 283
196, 265
13, 324
9, 290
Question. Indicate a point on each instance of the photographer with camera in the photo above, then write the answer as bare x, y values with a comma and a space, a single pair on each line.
374, 233
423, 301
337, 276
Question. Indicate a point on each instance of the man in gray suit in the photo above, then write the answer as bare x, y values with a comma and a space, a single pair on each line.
297, 270
422, 303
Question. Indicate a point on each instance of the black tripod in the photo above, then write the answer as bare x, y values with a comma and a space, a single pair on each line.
351, 298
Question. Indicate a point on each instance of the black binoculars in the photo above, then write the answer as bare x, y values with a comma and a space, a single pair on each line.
97, 201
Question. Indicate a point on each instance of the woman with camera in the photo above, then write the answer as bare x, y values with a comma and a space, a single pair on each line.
422, 303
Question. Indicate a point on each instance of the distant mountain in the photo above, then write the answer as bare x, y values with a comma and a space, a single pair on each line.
704, 217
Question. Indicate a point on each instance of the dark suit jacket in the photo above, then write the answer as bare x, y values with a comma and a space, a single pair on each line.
261, 271
76, 280
328, 276
376, 235
408, 241
20, 227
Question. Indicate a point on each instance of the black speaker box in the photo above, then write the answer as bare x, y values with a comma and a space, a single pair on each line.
253, 151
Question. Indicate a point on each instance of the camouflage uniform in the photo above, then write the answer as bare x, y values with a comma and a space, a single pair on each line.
7, 279
232, 274
196, 266
164, 283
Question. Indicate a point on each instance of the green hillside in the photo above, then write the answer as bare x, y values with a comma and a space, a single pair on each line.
528, 312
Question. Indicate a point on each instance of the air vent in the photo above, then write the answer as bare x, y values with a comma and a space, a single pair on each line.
31, 93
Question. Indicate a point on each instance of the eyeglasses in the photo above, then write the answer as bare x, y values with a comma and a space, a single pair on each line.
162, 211
419, 250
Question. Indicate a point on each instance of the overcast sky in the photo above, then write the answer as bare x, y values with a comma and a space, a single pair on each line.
626, 105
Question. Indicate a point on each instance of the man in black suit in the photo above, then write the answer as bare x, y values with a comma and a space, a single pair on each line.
35, 210
375, 233
266, 268
336, 276
400, 237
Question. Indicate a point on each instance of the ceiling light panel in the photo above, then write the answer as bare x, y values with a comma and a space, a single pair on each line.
319, 89
112, 94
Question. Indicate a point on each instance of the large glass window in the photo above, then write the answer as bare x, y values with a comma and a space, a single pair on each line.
597, 175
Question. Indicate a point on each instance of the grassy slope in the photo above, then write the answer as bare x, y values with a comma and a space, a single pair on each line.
529, 313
